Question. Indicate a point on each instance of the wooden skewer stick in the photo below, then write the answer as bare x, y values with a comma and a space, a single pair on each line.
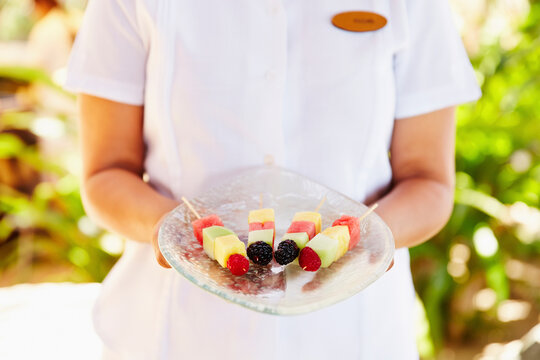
260, 201
320, 204
188, 204
368, 211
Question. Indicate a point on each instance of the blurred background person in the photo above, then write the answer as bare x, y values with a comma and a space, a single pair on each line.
51, 38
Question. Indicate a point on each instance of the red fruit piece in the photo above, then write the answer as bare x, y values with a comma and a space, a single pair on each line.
200, 224
261, 226
255, 226
354, 228
309, 260
238, 264
302, 226
269, 225
266, 226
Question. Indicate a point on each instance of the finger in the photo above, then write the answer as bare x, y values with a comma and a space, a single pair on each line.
159, 256
391, 265
161, 260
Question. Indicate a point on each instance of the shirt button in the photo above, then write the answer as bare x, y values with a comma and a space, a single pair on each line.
275, 10
271, 75
269, 159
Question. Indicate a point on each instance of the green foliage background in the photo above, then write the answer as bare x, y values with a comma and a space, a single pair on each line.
498, 186
43, 227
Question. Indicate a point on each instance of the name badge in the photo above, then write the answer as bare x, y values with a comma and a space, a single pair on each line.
359, 21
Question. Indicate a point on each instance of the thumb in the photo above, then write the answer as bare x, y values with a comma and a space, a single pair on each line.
155, 245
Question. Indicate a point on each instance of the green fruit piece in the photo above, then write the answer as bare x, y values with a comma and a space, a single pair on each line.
301, 239
209, 238
266, 235
326, 247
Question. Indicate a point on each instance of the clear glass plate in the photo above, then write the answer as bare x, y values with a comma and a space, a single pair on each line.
275, 289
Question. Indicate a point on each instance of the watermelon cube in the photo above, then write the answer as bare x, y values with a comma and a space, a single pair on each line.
354, 228
268, 225
256, 226
312, 216
302, 226
200, 224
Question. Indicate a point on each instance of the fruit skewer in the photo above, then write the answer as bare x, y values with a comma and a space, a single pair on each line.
262, 232
201, 222
331, 244
304, 226
219, 243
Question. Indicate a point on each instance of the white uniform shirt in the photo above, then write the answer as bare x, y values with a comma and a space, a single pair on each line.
225, 83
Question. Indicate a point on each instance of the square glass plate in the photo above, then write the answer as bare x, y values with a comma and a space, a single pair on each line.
275, 289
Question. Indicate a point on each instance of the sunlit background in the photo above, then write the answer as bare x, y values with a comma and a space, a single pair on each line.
478, 281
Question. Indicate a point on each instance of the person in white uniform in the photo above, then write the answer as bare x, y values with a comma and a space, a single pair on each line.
174, 94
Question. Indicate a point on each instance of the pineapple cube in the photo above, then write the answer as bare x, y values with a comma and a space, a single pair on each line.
341, 234
261, 215
228, 245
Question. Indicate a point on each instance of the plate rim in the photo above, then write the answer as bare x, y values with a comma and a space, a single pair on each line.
273, 310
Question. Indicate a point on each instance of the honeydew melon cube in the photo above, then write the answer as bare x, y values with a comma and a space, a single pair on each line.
301, 239
209, 236
340, 233
269, 225
228, 245
326, 247
261, 215
312, 216
266, 235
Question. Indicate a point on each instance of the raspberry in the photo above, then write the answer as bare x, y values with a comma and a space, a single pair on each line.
286, 252
238, 264
309, 260
260, 253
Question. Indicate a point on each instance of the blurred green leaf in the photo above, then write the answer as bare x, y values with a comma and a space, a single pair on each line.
10, 146
32, 76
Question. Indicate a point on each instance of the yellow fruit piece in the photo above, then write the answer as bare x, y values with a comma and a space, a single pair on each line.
312, 216
341, 234
225, 246
261, 216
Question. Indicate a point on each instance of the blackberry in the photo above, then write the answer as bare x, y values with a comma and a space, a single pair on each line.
260, 253
286, 252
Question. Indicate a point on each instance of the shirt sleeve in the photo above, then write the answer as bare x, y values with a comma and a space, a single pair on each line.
108, 59
432, 71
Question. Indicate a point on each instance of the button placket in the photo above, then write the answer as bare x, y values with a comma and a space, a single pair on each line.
275, 7
271, 75
274, 76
